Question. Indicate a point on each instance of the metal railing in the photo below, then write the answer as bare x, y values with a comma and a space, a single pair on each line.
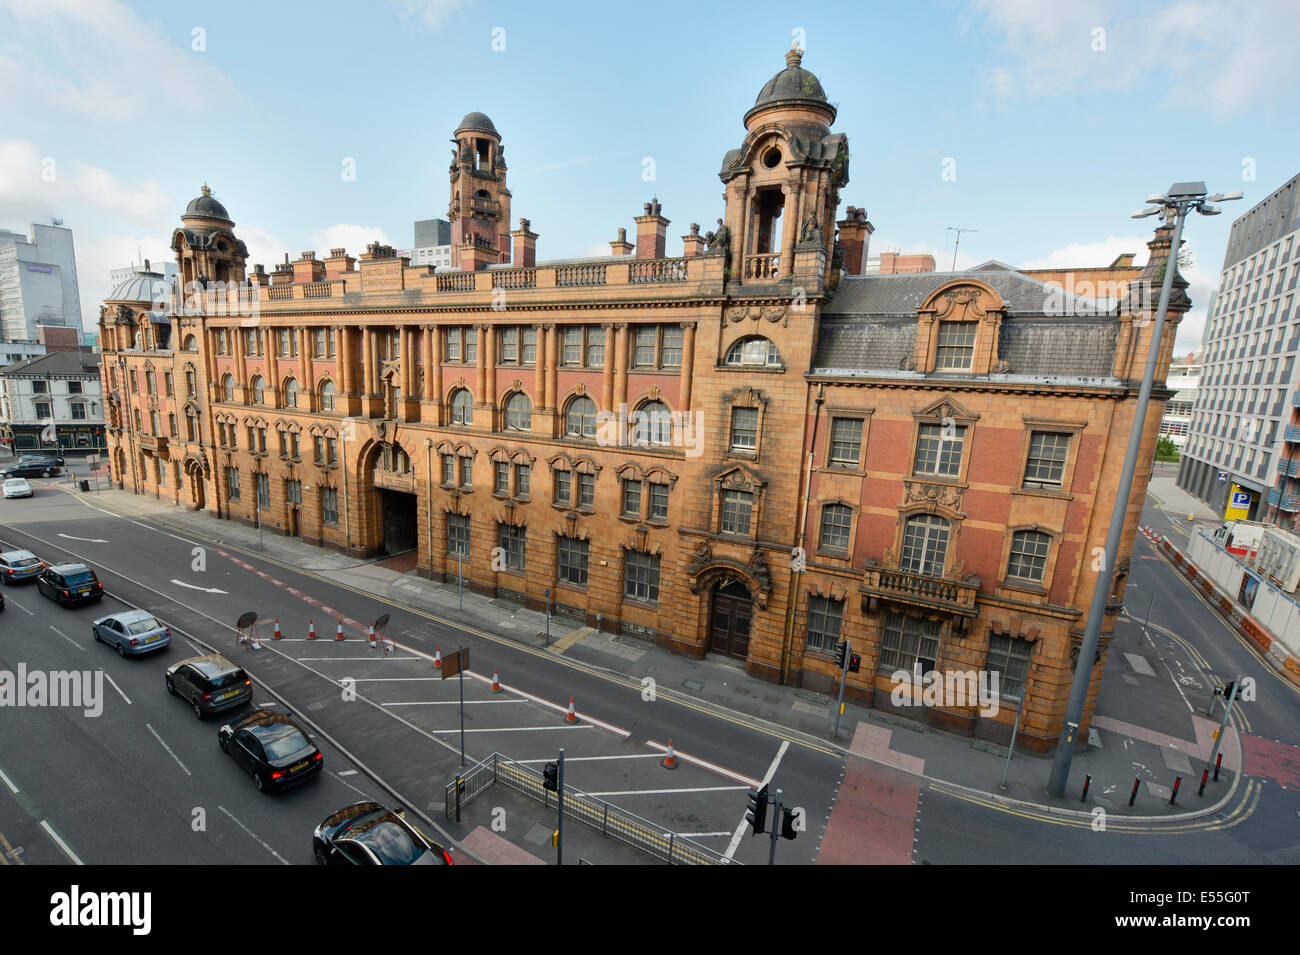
608, 819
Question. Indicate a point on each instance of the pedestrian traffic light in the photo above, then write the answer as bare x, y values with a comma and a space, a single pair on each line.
788, 830
757, 815
841, 649
855, 662
551, 777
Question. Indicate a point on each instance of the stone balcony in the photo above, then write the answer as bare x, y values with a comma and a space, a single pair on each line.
936, 593
153, 442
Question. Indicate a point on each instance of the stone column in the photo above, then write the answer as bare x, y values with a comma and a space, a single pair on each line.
539, 369
789, 230
340, 361
688, 365
367, 359
480, 363
607, 376
407, 363
348, 384
433, 374
552, 366
624, 362
489, 354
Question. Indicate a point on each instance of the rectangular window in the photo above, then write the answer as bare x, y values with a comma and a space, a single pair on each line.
451, 345
329, 505
74, 387
938, 450
318, 343
471, 345
846, 441
150, 381
955, 350
263, 492
285, 338
530, 346
510, 345
293, 491
672, 349
449, 469
168, 385
573, 554
523, 473
135, 383
641, 576
908, 642
632, 498
43, 411
658, 502
837, 519
737, 506
171, 421
825, 620
320, 450
38, 387
190, 384
572, 347
1045, 465
563, 487
587, 490
501, 477
466, 471
332, 446
457, 535
159, 473
79, 413
744, 429
643, 355
513, 542
1028, 559
595, 347
232, 482
1009, 658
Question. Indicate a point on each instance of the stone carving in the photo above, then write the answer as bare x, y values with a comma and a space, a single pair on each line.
812, 232
837, 253
719, 241
945, 495
968, 297
770, 313
758, 568
702, 557
1002, 367
907, 364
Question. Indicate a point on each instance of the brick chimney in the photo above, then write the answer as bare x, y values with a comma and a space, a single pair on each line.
258, 276
477, 254
855, 239
338, 262
651, 233
283, 274
621, 246
308, 268
693, 244
525, 245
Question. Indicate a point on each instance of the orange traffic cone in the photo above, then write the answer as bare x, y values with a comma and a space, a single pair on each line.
311, 629
339, 635
276, 635
437, 658
372, 636
572, 716
496, 681
669, 761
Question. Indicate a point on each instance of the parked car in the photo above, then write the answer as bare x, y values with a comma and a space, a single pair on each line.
17, 487
272, 748
369, 834
31, 469
19, 565
55, 459
210, 684
68, 584
2, 601
132, 632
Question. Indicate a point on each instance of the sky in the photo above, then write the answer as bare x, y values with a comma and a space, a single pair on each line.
1039, 125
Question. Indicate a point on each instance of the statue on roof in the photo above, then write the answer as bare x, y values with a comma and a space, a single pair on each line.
719, 241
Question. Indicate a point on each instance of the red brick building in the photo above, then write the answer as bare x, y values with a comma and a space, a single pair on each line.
731, 451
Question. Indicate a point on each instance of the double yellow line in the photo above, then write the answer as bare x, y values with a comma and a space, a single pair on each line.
9, 853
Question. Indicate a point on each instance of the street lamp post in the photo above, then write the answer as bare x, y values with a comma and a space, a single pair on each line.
1182, 198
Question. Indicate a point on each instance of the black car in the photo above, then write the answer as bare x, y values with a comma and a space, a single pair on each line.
369, 834
40, 459
42, 468
210, 683
69, 584
272, 748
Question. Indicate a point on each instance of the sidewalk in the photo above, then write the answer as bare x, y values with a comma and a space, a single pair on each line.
1143, 730
1174, 500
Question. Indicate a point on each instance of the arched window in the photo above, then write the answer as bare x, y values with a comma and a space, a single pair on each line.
1028, 560
837, 519
580, 417
519, 412
228, 388
190, 344
755, 351
654, 425
925, 545
191, 426
462, 407
291, 393
259, 390
327, 392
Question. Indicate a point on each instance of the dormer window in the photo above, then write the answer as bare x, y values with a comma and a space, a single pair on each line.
955, 349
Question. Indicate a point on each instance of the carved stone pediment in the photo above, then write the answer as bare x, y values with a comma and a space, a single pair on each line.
945, 495
755, 313
961, 303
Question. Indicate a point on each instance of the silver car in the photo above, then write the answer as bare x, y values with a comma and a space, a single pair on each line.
16, 565
132, 632
17, 487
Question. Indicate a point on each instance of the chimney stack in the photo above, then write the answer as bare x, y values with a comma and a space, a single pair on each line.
621, 246
258, 276
651, 233
308, 268
338, 262
283, 274
525, 245
855, 239
693, 244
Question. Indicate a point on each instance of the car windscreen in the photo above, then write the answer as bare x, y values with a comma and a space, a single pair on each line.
392, 844
79, 578
283, 742
226, 681
143, 626
16, 482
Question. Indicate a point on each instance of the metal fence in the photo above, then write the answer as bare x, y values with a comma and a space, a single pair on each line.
607, 819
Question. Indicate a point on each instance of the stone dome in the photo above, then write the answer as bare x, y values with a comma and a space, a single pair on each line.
207, 207
793, 86
140, 287
476, 122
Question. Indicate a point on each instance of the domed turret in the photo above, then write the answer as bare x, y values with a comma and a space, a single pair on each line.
793, 86
476, 122
206, 207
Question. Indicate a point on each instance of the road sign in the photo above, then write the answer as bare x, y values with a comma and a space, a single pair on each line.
1241, 499
93, 459
453, 663
1222, 476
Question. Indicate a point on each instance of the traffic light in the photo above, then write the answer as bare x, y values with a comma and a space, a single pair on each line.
1227, 691
788, 831
855, 662
757, 814
551, 777
841, 649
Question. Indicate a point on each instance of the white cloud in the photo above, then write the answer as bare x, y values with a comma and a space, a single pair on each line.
98, 254
264, 248
33, 186
98, 58
343, 235
429, 12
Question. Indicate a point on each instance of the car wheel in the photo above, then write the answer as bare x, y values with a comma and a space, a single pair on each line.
95, 635
257, 781
171, 690
120, 651
198, 710
221, 742
322, 857
46, 473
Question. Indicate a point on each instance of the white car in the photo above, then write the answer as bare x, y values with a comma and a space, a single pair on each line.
17, 487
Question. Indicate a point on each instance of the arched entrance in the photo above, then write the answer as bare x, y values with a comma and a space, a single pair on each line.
731, 611
194, 474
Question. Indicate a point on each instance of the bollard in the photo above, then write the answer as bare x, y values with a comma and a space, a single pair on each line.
1087, 781
1205, 775
1218, 762
1174, 795
1134, 794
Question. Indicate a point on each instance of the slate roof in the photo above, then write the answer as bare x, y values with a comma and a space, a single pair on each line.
59, 364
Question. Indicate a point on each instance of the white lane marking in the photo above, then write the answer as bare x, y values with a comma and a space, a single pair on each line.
66, 637
740, 828
711, 767
585, 759
699, 835
193, 646
21, 607
67, 850
450, 702
397, 679
523, 729
206, 590
253, 834
8, 782
116, 687
88, 540
168, 748
346, 772
349, 659
339, 777
661, 792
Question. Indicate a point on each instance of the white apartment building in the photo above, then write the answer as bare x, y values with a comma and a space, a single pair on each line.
1242, 455
61, 389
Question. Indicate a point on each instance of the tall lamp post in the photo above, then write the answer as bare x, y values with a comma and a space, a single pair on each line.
1182, 198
